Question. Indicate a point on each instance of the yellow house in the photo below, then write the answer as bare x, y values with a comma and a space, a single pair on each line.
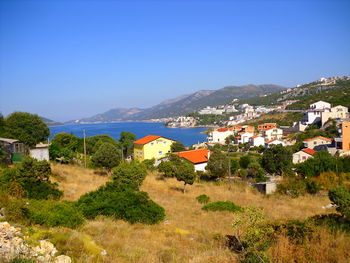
151, 146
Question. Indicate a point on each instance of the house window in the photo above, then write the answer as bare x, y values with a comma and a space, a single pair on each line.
152, 143
164, 142
315, 143
160, 153
304, 157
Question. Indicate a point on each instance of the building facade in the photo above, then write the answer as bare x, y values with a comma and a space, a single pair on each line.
152, 147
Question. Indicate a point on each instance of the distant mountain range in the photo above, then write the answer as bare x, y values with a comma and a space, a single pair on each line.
51, 122
184, 104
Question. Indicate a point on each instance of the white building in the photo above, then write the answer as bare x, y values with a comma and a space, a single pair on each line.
273, 133
40, 152
244, 137
219, 135
256, 141
303, 155
320, 105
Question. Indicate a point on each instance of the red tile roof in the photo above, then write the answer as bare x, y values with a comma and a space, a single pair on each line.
309, 151
147, 139
318, 137
222, 129
195, 156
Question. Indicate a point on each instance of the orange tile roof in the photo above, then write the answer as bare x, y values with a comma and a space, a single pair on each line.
271, 141
222, 129
318, 137
309, 151
195, 156
147, 139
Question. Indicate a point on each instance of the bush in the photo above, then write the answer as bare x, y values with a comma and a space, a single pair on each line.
292, 186
340, 196
13, 209
222, 206
121, 202
131, 174
312, 187
30, 179
203, 199
107, 156
53, 213
149, 163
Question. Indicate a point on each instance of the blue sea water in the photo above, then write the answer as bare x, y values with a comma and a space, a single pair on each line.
188, 136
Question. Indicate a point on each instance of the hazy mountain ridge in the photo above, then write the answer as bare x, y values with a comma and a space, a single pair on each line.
184, 104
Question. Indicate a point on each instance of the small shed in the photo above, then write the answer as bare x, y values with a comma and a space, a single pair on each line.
15, 150
266, 187
40, 152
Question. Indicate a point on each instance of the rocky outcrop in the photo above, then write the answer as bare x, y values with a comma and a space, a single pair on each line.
12, 246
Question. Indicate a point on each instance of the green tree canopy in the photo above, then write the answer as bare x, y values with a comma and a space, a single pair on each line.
132, 174
277, 160
32, 177
184, 172
322, 161
27, 128
126, 141
107, 156
218, 165
340, 196
177, 147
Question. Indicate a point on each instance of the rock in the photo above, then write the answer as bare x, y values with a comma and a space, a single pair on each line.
13, 246
62, 259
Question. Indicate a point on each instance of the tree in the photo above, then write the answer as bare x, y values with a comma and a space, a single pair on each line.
185, 172
277, 160
131, 174
94, 142
234, 166
244, 161
2, 125
340, 196
218, 165
27, 128
33, 177
126, 140
107, 156
177, 147
322, 161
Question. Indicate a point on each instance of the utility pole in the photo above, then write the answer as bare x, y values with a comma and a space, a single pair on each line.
84, 148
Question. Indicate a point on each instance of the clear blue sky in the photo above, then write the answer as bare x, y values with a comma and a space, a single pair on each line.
73, 59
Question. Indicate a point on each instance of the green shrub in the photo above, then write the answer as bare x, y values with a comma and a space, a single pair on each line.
14, 209
340, 196
312, 187
131, 174
203, 199
335, 222
292, 186
149, 163
54, 213
222, 206
121, 202
30, 179
255, 257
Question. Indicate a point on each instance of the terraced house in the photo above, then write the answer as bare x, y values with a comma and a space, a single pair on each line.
152, 146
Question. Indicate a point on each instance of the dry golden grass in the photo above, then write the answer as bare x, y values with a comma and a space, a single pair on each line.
75, 180
188, 234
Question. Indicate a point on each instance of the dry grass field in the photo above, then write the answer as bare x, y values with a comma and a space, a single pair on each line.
190, 234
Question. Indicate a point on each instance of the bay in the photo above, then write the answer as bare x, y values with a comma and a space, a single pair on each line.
188, 136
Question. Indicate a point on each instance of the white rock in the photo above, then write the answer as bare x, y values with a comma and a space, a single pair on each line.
62, 259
